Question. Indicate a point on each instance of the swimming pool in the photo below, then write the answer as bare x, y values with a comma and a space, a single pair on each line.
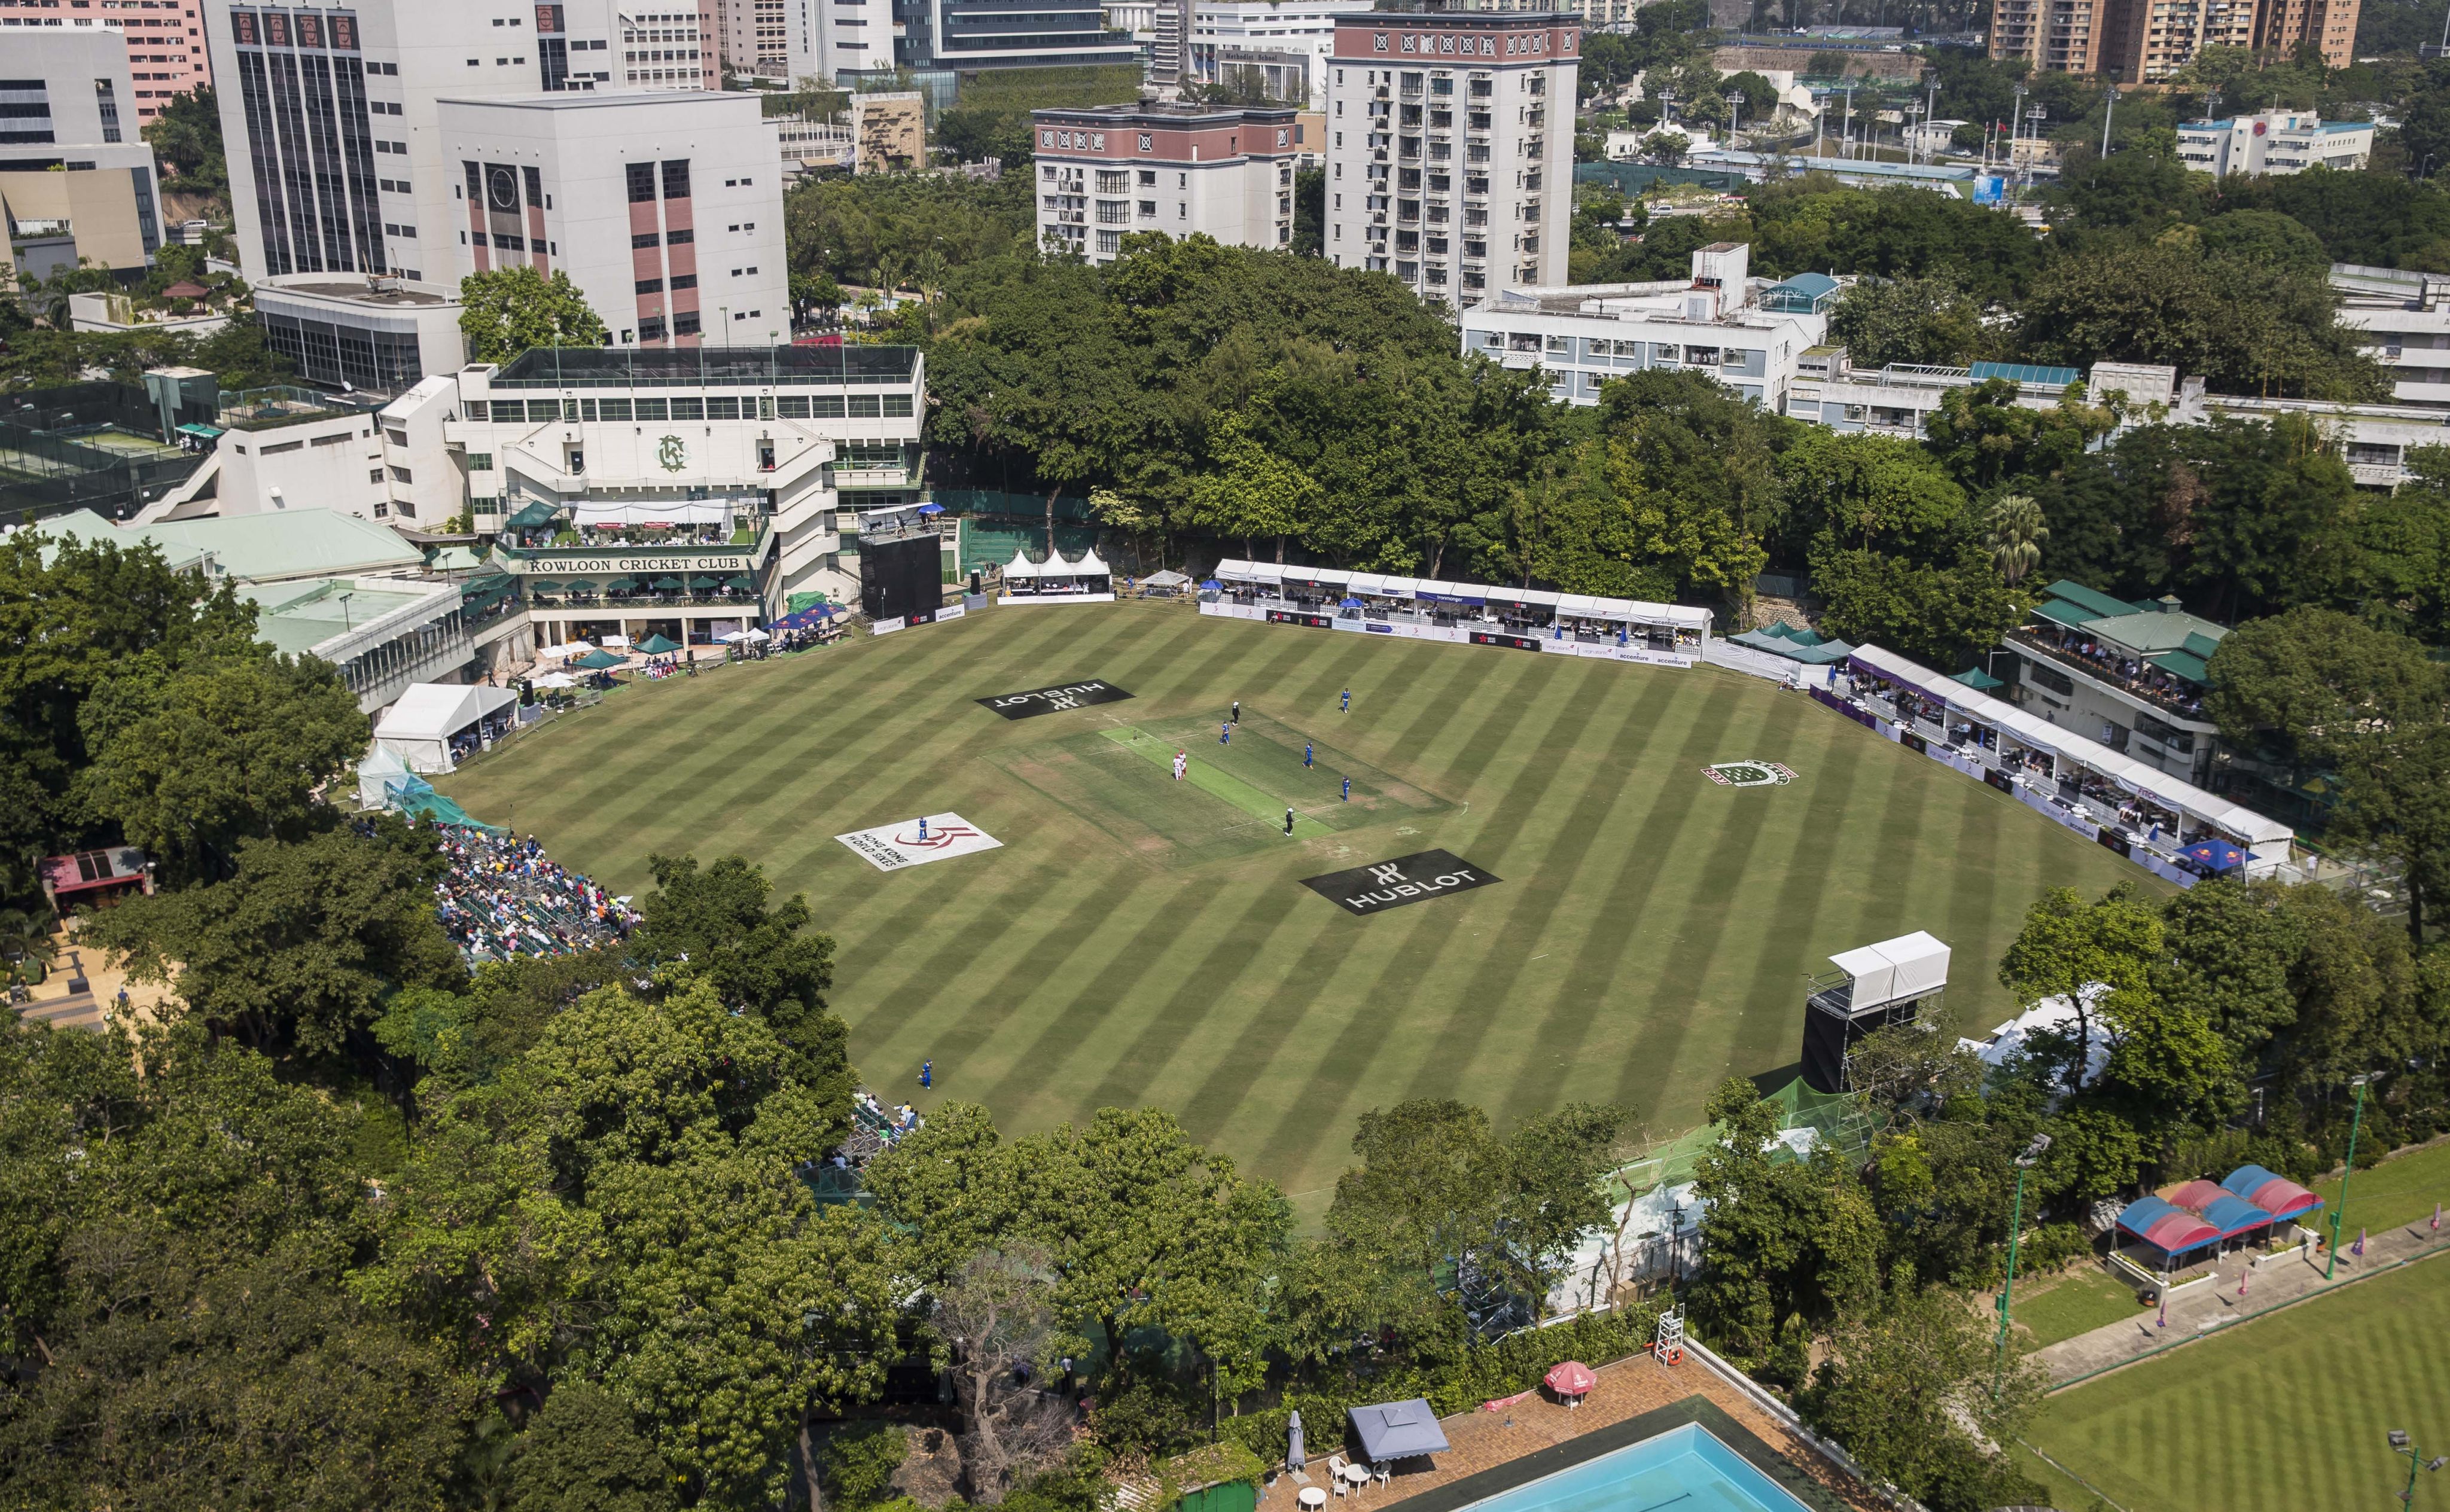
1684, 1469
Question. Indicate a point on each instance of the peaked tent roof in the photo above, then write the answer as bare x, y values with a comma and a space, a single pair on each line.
441, 710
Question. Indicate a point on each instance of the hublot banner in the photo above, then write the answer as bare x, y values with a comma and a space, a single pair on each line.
1521, 643
1039, 701
1393, 883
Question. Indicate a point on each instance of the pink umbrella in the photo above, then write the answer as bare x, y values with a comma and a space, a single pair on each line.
1571, 1378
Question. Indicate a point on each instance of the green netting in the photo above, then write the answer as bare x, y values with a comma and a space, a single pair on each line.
417, 800
1836, 1117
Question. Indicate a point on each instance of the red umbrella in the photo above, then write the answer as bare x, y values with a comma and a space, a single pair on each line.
1571, 1378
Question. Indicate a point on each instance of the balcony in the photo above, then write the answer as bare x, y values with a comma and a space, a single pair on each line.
2173, 696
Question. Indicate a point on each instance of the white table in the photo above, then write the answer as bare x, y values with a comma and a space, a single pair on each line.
1357, 1475
1312, 1496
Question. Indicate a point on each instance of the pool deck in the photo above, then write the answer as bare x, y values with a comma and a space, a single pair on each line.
1635, 1398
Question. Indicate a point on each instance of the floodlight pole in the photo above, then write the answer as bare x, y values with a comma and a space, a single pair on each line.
2015, 1226
2340, 1214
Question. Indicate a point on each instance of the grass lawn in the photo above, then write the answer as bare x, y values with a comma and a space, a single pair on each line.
1139, 940
2075, 1301
2287, 1413
2397, 1192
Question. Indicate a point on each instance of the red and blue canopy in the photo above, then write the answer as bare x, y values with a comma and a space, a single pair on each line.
2274, 1194
2170, 1230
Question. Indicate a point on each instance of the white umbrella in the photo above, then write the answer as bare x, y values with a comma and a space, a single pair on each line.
555, 680
555, 653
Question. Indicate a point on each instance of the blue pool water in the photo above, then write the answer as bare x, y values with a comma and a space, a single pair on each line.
1681, 1470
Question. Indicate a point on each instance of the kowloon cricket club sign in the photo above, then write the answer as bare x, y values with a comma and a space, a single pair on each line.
1393, 883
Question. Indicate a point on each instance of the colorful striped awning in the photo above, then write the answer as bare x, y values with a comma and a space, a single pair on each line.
2171, 1229
2274, 1194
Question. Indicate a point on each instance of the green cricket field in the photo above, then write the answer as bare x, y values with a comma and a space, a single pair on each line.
1139, 939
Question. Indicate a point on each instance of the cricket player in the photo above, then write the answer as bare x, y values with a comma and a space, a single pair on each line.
922, 829
1348, 789
1305, 753
1225, 733
1289, 821
1181, 763
1348, 703
1237, 711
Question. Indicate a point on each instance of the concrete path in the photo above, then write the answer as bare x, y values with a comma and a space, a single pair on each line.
2280, 1280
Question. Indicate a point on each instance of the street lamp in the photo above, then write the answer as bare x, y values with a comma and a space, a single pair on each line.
2340, 1214
2415, 1460
2025, 1162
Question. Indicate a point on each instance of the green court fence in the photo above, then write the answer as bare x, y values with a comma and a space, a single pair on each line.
1835, 1118
1630, 179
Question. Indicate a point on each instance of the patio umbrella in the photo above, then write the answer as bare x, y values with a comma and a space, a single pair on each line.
2218, 857
931, 508
754, 634
666, 585
1294, 1459
657, 646
1212, 582
1571, 1378
598, 661
554, 680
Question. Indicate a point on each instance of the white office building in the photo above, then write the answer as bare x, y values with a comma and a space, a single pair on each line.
362, 332
2404, 320
1451, 148
1183, 170
666, 209
330, 117
1283, 47
1747, 334
2274, 141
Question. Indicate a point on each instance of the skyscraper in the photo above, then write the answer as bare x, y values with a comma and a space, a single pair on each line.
1451, 147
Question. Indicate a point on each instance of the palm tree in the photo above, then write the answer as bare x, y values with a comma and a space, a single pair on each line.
26, 943
2017, 531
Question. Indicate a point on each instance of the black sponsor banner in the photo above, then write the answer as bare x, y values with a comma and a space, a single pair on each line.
1999, 779
1048, 700
2112, 840
1521, 643
1911, 741
1393, 883
1287, 616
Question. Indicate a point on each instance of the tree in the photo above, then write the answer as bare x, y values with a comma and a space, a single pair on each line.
1667, 147
1903, 1382
2016, 536
1930, 321
237, 748
2315, 683
999, 1317
954, 1184
1251, 492
1937, 614
506, 311
185, 135
584, 1453
300, 946
755, 956
1310, 212
2071, 949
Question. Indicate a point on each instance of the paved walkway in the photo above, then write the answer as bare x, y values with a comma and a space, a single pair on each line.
1626, 1389
2280, 1280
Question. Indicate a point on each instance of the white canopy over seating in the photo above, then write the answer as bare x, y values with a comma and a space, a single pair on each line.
1020, 568
420, 726
1090, 565
381, 768
1374, 585
608, 511
2145, 782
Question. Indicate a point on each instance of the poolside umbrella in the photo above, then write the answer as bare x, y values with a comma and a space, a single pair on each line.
657, 646
2216, 856
1571, 1378
598, 661
1294, 1459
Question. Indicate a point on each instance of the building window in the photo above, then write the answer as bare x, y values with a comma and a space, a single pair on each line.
677, 179
642, 183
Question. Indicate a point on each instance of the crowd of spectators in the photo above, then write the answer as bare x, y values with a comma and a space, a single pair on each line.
503, 897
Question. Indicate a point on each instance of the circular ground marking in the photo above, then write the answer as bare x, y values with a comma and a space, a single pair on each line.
1748, 774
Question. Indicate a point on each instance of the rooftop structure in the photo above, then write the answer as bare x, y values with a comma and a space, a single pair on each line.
1748, 334
2274, 141
251, 549
2130, 675
369, 333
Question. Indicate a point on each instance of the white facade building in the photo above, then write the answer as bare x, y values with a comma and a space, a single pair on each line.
1451, 148
160, 44
78, 182
666, 209
1282, 44
372, 334
1182, 170
743, 464
2405, 320
330, 118
2273, 141
1749, 335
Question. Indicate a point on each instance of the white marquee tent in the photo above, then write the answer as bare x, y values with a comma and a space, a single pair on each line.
420, 726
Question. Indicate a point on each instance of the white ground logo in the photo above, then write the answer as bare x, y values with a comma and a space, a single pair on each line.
1748, 774
915, 841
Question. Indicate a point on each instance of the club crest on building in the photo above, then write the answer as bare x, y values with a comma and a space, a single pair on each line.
1748, 774
674, 454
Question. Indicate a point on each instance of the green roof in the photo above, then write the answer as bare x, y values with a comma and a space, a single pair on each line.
259, 548
2066, 611
1976, 679
2098, 604
300, 614
2181, 664
2149, 634
2201, 645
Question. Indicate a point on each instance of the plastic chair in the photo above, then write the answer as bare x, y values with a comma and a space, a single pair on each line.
1336, 1474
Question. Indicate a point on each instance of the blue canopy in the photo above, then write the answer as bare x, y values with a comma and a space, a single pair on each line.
931, 508
1348, 603
1396, 1431
1212, 582
2217, 856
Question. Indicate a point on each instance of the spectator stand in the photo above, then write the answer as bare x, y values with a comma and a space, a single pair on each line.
1531, 619
1060, 579
501, 896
